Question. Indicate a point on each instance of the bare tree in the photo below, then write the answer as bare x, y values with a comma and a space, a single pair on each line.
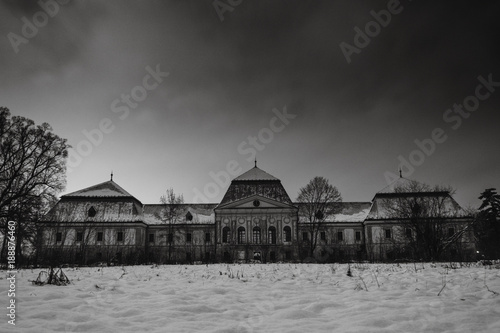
32, 171
170, 215
428, 213
68, 232
317, 200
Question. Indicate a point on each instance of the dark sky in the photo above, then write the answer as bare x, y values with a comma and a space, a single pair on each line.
354, 122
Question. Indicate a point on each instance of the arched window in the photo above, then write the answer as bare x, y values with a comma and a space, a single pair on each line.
189, 216
256, 235
91, 212
272, 235
288, 234
225, 235
241, 235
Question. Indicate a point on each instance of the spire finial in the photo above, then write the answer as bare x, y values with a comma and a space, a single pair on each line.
400, 173
111, 175
255, 161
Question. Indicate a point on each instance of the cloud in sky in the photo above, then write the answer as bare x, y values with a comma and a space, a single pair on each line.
353, 120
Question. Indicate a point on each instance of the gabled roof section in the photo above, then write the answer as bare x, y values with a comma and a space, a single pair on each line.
403, 192
70, 211
108, 189
256, 182
255, 174
264, 203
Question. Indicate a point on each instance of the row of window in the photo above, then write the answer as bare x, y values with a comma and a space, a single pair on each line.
256, 235
340, 236
409, 232
100, 236
387, 232
189, 237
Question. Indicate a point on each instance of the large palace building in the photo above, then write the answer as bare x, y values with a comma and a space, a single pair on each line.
255, 221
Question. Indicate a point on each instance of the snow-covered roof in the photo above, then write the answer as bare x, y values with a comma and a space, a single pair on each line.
200, 213
255, 174
347, 212
69, 211
108, 189
386, 207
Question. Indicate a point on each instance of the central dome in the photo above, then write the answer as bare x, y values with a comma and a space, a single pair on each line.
256, 182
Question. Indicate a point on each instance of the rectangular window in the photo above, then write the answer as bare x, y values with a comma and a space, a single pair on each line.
408, 233
151, 238
272, 235
79, 236
58, 236
288, 234
207, 256
241, 235
170, 237
119, 236
323, 236
451, 232
99, 236
340, 236
188, 237
305, 236
256, 236
358, 235
207, 237
388, 233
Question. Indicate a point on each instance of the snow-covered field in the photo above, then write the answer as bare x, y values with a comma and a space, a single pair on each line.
260, 298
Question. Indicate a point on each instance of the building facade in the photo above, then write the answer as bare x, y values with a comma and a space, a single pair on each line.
255, 221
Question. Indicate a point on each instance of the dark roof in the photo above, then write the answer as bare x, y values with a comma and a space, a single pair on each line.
256, 182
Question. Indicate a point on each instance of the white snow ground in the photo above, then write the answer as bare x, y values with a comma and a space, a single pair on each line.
260, 298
